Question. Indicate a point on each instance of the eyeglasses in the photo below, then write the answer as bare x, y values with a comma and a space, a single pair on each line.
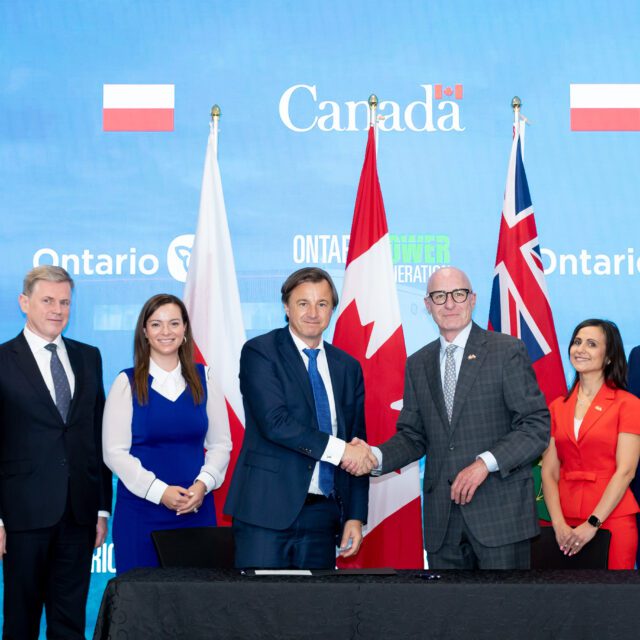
457, 295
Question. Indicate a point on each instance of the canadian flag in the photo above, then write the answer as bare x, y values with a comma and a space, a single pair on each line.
369, 328
212, 299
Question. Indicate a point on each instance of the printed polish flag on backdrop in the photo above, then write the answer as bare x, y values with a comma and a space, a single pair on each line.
605, 107
212, 299
519, 298
369, 328
137, 107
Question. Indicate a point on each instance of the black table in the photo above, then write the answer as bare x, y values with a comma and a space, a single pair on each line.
195, 603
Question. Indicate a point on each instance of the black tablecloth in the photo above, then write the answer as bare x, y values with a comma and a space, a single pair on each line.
194, 603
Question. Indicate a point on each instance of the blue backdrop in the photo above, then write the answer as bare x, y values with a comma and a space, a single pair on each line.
286, 74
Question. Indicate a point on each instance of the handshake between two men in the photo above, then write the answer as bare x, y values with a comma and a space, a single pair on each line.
358, 458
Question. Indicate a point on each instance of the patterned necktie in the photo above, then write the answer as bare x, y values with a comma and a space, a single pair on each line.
323, 413
449, 387
60, 382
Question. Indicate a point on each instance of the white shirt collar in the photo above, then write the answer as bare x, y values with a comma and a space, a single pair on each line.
161, 375
36, 343
301, 344
460, 340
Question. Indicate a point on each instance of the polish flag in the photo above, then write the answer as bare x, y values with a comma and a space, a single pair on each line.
213, 301
137, 107
370, 329
605, 107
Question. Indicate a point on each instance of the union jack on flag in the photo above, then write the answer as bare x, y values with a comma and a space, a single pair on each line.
519, 298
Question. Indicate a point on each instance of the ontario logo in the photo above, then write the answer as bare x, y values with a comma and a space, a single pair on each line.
437, 108
415, 256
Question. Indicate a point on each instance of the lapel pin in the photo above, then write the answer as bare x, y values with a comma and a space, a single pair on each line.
598, 407
471, 356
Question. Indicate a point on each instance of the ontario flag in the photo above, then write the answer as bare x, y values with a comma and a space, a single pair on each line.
212, 299
519, 298
369, 328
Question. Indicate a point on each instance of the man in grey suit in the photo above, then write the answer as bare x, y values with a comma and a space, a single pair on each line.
472, 404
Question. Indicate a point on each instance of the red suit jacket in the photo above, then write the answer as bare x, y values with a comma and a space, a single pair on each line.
586, 465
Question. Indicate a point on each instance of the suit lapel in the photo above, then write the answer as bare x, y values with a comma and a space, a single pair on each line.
474, 354
75, 358
434, 379
294, 362
337, 375
27, 364
598, 407
568, 412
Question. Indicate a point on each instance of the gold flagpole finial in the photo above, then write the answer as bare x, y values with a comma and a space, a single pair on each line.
516, 103
215, 111
373, 101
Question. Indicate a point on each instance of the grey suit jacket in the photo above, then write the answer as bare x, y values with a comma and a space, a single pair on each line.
498, 407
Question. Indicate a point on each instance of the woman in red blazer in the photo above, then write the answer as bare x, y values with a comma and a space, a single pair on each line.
594, 448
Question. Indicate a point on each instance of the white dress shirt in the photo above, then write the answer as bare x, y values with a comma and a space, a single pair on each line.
335, 447
117, 435
43, 359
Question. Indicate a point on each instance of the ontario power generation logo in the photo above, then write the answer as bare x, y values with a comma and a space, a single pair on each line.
415, 256
437, 107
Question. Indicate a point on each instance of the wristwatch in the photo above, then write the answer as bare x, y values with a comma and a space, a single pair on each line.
594, 522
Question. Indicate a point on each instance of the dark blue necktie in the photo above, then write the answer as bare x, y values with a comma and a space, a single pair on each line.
323, 412
60, 382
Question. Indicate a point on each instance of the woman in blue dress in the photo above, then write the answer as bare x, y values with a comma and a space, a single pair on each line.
160, 417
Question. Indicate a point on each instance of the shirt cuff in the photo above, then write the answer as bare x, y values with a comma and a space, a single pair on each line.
377, 471
207, 480
334, 451
156, 490
490, 460
103, 514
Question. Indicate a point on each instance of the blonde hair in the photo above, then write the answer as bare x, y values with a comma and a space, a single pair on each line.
45, 272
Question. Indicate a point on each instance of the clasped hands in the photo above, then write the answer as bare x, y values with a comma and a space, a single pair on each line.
358, 459
572, 540
183, 500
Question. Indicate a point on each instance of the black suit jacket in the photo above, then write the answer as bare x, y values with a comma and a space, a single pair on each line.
498, 407
282, 442
42, 459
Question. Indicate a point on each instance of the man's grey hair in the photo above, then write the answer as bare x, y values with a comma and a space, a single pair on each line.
45, 272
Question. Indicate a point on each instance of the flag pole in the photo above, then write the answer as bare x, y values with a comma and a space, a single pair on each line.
516, 103
215, 117
373, 105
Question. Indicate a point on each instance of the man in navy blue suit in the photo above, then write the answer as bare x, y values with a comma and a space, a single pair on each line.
290, 500
634, 387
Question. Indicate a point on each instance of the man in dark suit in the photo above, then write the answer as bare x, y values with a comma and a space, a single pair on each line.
304, 401
55, 491
472, 404
634, 387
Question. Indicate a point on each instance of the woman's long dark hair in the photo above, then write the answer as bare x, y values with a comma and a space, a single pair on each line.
615, 367
142, 351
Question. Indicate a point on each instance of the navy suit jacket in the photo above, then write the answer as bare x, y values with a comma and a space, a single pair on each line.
282, 441
43, 459
634, 387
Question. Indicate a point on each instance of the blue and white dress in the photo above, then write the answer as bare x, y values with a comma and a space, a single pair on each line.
156, 445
